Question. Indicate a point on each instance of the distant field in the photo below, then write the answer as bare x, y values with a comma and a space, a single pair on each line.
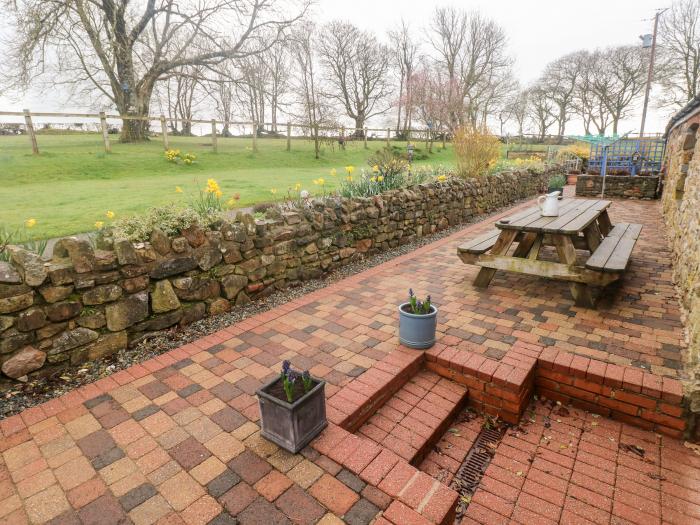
73, 182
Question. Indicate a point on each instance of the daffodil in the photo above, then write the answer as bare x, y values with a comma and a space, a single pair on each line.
334, 172
213, 187
273, 190
442, 178
373, 179
380, 178
30, 223
375, 168
320, 181
178, 189
297, 186
99, 224
110, 214
349, 169
348, 178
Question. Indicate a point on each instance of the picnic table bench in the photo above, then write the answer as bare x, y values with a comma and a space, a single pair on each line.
582, 224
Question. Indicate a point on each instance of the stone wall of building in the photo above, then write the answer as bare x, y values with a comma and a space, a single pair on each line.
681, 206
623, 186
87, 303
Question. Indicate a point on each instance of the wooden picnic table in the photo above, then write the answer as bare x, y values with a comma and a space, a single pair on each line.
582, 224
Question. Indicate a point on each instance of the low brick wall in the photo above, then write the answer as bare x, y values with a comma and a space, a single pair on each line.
86, 303
617, 186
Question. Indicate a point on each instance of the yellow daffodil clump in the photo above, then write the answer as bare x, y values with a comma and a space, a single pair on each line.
99, 224
30, 223
213, 187
110, 214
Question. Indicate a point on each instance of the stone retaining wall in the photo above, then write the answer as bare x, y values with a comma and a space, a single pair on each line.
681, 206
641, 187
87, 303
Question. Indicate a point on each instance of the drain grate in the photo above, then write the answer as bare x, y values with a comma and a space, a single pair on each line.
469, 475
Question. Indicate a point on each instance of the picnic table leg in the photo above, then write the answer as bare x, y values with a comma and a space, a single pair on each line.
524, 245
604, 224
592, 235
567, 255
505, 239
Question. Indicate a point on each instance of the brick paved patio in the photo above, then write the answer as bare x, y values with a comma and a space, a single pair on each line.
176, 439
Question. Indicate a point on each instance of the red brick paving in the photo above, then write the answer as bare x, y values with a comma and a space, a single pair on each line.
176, 439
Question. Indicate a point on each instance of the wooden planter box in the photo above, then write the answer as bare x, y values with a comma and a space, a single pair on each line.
292, 426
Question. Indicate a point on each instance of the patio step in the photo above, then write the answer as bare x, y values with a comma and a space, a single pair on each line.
353, 404
416, 416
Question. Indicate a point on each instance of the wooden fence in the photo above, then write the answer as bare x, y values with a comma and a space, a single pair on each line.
316, 133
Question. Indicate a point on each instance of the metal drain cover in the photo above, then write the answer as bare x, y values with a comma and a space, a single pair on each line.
469, 475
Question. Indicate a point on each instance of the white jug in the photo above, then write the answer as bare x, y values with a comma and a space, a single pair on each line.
550, 208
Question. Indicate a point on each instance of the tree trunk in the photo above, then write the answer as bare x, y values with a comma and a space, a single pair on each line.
359, 126
135, 106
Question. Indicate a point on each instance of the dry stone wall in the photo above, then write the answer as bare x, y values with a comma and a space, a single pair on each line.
624, 186
681, 205
87, 303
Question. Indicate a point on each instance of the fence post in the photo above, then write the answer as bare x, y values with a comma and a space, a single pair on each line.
164, 131
105, 132
444, 138
427, 137
30, 131
214, 143
255, 137
388, 137
289, 136
364, 134
342, 137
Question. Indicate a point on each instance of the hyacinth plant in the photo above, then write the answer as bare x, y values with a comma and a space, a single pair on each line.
418, 307
290, 377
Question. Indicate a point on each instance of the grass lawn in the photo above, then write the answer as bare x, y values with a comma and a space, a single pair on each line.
73, 182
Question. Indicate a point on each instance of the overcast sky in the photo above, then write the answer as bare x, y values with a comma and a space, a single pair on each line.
538, 31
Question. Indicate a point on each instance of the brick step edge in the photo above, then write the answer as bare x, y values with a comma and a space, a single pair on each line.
417, 497
356, 402
505, 387
497, 388
440, 430
623, 393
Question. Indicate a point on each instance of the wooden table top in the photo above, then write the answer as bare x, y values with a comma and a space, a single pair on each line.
574, 216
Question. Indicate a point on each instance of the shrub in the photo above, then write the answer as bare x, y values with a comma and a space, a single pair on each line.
172, 219
476, 150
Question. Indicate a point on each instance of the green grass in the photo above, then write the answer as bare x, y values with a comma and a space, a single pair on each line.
73, 182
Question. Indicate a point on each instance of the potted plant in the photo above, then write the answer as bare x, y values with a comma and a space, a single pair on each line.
556, 183
292, 408
417, 322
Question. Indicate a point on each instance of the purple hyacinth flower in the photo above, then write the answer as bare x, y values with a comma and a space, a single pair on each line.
410, 292
286, 365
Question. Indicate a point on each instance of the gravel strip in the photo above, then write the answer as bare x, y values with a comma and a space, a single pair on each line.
16, 397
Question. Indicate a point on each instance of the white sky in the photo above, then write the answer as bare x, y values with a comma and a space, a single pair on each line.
538, 31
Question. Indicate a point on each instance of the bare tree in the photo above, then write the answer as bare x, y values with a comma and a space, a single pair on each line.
181, 92
306, 81
405, 57
542, 110
618, 78
250, 90
560, 79
514, 108
472, 51
679, 56
221, 89
586, 102
357, 68
278, 63
122, 49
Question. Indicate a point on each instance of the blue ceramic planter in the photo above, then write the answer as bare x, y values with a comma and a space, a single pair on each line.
417, 331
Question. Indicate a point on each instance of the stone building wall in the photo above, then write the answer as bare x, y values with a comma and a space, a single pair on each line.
641, 187
86, 303
681, 206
